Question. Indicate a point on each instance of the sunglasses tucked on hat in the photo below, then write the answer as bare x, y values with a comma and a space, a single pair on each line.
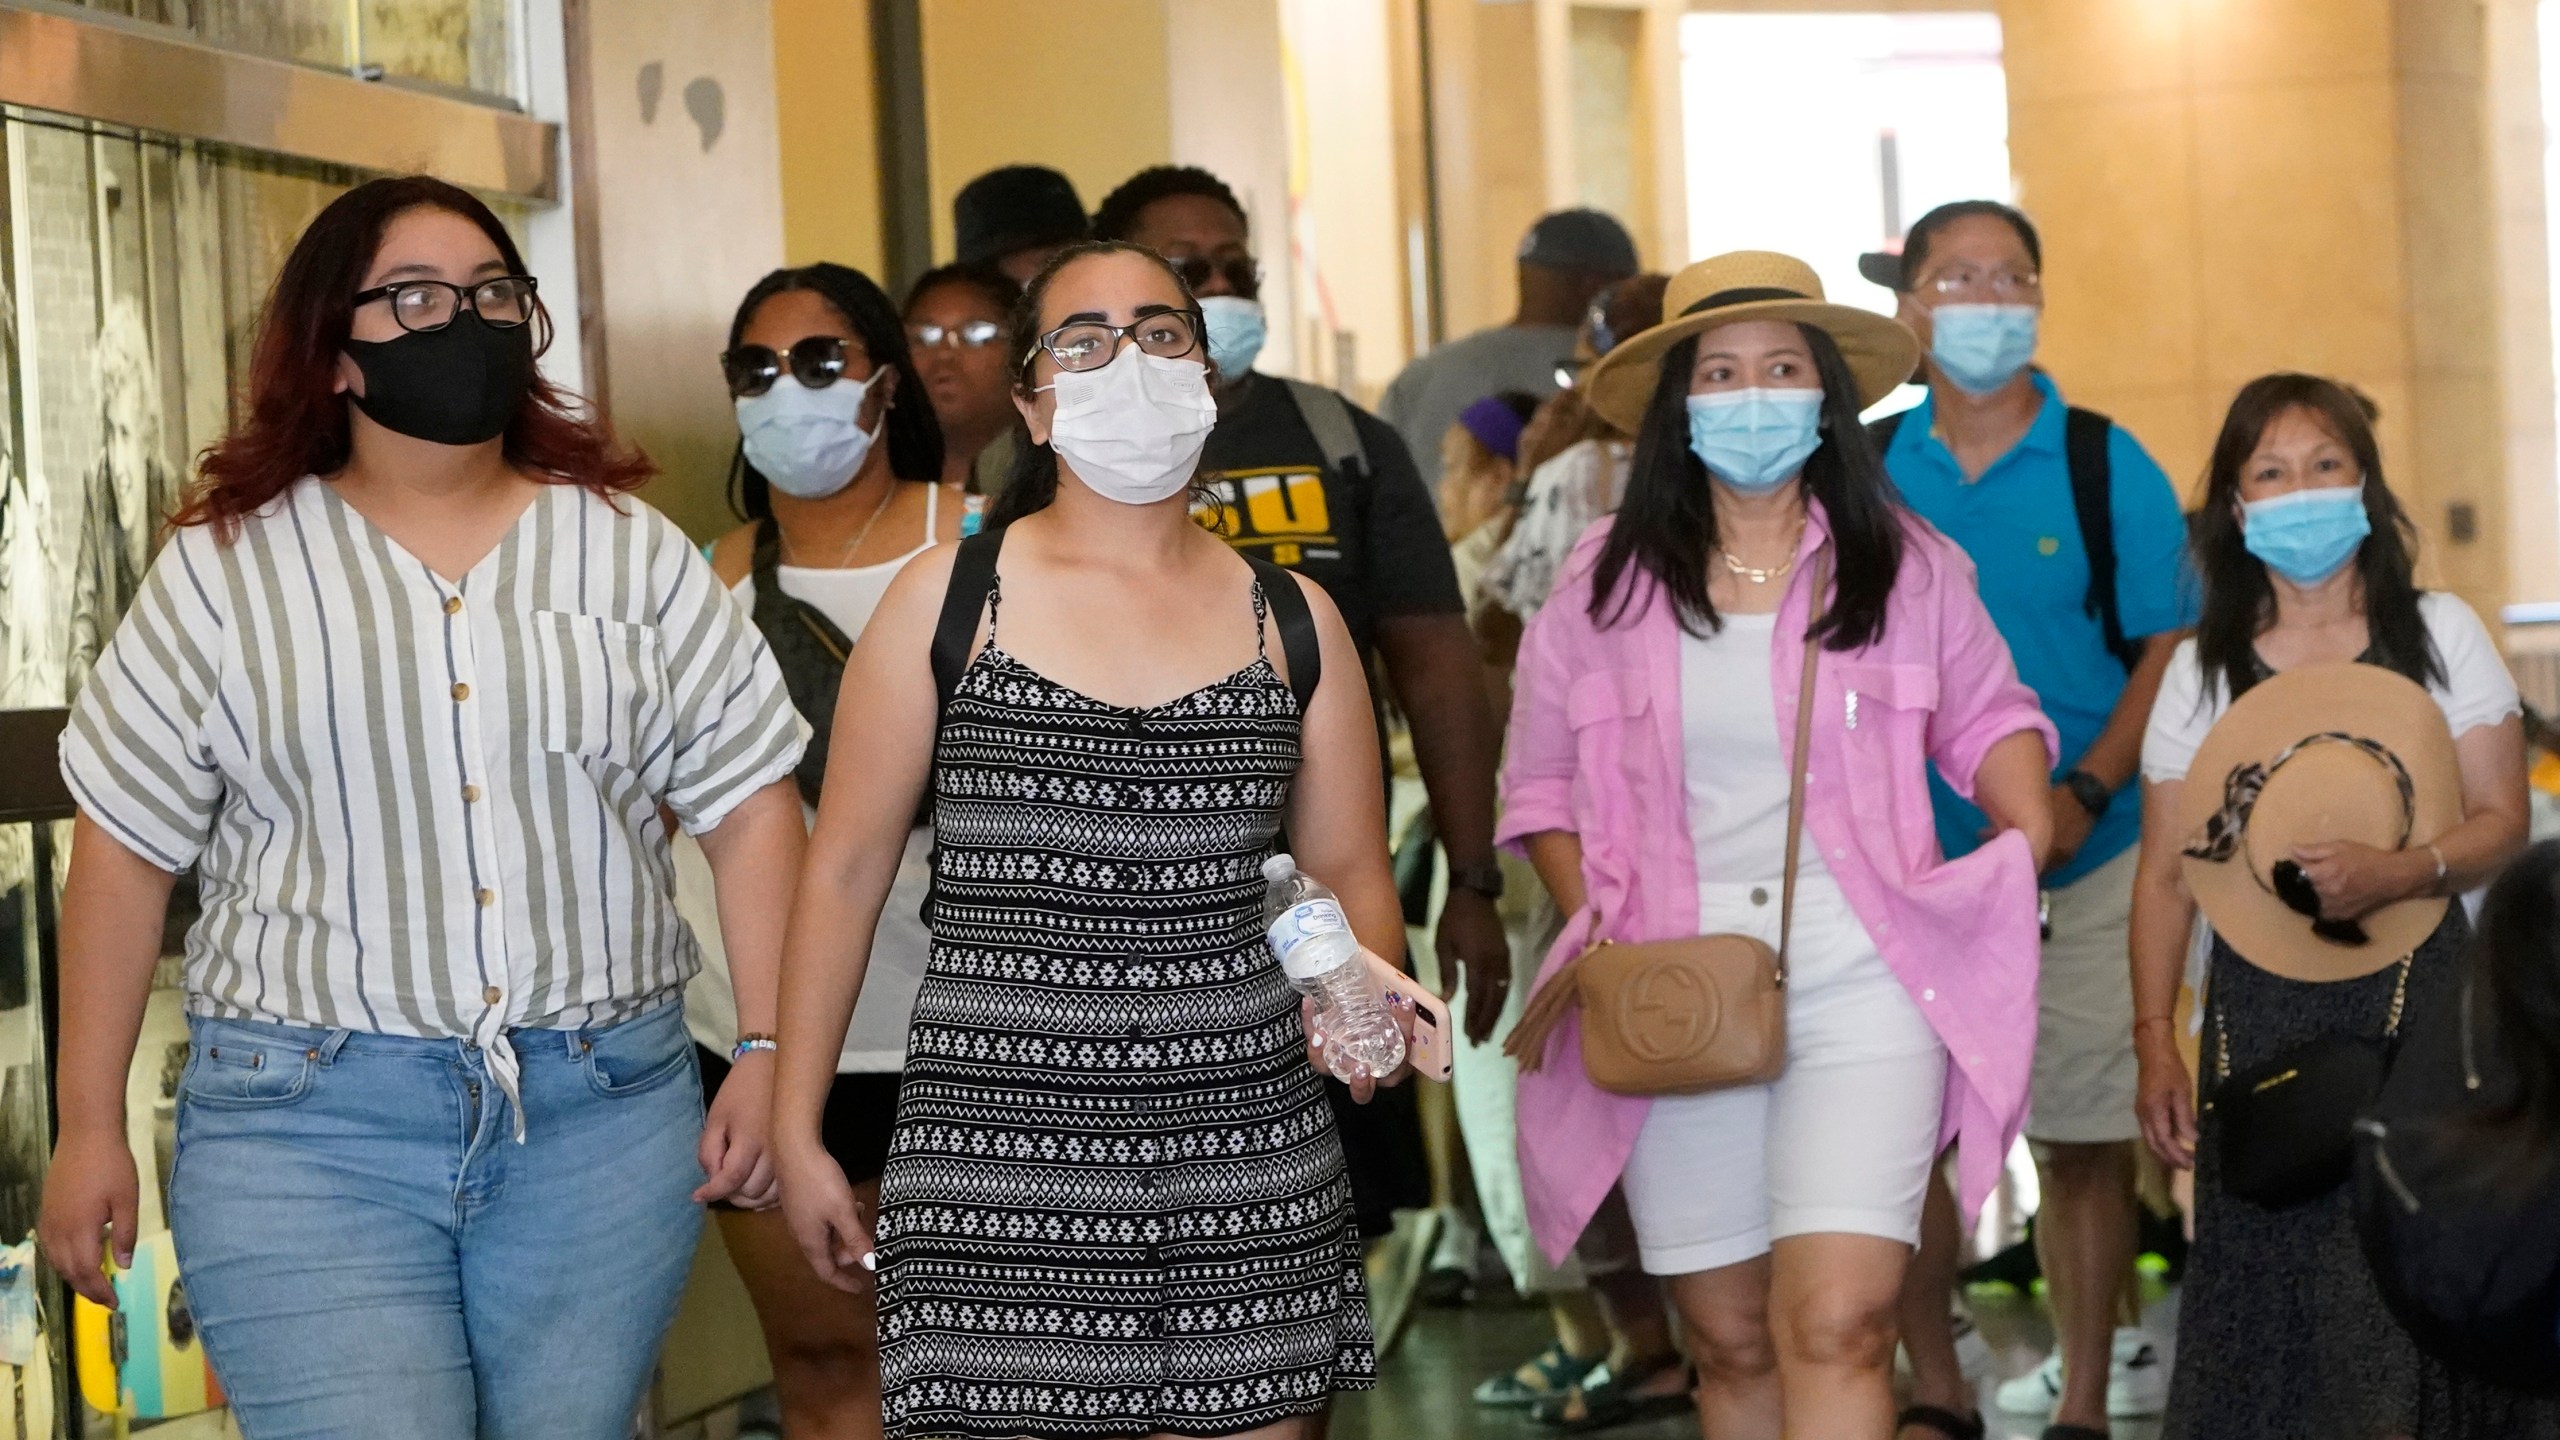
1016, 208
2316, 754
1750, 285
1580, 240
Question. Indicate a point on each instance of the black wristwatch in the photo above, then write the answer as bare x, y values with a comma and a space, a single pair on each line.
2090, 791
1484, 879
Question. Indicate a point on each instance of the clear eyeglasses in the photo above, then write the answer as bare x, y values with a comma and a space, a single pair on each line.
969, 334
1090, 344
1967, 281
422, 305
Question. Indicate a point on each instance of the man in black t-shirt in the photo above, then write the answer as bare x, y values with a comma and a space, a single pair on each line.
1314, 483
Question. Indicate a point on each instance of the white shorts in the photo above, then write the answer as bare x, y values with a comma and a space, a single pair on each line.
1841, 1143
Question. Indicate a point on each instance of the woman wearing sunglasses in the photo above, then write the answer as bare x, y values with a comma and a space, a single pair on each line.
956, 330
838, 472
2307, 559
411, 687
1115, 1203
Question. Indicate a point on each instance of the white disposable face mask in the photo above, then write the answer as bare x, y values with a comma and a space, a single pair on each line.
1133, 429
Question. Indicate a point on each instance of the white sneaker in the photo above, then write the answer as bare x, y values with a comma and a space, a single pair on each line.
1973, 1353
2137, 1381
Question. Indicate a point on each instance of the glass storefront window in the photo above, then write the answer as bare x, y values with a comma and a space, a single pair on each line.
465, 45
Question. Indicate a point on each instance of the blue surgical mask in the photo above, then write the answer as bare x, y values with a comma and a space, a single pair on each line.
1236, 333
1982, 347
1755, 440
808, 443
2308, 535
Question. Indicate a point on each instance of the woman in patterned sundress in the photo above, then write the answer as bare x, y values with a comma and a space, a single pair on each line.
1115, 1203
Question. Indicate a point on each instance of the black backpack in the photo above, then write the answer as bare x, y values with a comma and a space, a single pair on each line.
2459, 1211
2084, 450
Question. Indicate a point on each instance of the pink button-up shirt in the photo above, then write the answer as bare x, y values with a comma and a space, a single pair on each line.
1596, 749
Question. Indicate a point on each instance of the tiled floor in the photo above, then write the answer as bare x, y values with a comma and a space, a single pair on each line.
1427, 1381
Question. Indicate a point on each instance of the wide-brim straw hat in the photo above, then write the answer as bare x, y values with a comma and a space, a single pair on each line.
2318, 753
1749, 285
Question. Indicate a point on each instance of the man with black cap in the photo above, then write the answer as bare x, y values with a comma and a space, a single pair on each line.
1566, 260
1015, 218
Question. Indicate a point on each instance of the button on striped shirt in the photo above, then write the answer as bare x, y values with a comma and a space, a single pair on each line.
425, 808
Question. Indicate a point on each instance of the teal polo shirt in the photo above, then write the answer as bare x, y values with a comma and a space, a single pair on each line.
2018, 524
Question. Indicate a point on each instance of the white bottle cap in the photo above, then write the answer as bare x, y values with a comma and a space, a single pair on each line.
1279, 867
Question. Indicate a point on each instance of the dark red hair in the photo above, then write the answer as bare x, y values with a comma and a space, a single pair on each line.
295, 423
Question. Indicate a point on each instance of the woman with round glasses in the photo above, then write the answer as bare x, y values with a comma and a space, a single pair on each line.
963, 352
412, 687
1115, 1203
838, 472
2308, 559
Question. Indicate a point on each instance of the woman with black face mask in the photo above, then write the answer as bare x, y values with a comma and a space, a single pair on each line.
410, 688
839, 474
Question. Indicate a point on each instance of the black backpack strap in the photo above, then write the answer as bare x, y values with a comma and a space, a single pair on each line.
2084, 448
973, 579
973, 576
1297, 625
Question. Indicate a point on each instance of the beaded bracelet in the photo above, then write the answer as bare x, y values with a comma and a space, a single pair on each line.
755, 1041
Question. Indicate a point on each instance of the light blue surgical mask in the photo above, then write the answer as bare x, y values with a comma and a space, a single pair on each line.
1236, 333
808, 443
2308, 535
1982, 347
1755, 440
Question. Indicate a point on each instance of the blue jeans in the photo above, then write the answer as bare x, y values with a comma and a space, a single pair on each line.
369, 1252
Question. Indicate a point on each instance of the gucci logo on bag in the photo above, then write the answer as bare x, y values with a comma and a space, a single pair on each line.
1666, 1013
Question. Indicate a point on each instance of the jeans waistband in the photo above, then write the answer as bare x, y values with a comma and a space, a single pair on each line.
528, 1042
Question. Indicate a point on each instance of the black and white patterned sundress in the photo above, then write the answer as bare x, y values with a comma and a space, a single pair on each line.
1115, 1202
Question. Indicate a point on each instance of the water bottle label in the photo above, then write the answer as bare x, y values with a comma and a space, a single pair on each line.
1308, 920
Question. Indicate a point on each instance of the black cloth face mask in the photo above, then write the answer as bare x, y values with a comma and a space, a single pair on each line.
461, 385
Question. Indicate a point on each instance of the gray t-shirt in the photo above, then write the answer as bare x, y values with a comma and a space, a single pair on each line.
1425, 400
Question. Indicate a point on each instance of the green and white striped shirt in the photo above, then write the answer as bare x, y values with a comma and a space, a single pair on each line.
424, 808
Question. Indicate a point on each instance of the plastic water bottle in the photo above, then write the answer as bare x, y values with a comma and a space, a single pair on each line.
1322, 958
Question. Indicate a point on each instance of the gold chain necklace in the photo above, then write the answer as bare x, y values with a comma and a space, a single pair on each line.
1755, 574
845, 556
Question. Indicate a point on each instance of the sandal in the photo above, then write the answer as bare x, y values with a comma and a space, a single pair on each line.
1557, 1369
1609, 1399
1945, 1422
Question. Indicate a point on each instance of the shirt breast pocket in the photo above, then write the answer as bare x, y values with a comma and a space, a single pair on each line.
1886, 710
599, 687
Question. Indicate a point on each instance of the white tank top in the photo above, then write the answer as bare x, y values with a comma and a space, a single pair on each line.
876, 1041
1734, 767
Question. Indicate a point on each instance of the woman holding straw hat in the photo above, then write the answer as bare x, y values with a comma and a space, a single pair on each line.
2321, 811
1649, 780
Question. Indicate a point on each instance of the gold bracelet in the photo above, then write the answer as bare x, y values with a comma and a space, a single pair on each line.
2441, 870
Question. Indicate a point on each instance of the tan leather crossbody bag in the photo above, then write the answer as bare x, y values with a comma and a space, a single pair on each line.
1675, 1017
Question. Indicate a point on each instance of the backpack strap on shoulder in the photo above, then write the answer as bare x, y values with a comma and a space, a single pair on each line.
1297, 624
1328, 415
2084, 447
973, 577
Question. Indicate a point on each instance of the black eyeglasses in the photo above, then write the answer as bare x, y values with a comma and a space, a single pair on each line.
970, 335
816, 361
1091, 344
423, 305
1243, 275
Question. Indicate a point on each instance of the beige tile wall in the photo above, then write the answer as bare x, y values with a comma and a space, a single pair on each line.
2230, 187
